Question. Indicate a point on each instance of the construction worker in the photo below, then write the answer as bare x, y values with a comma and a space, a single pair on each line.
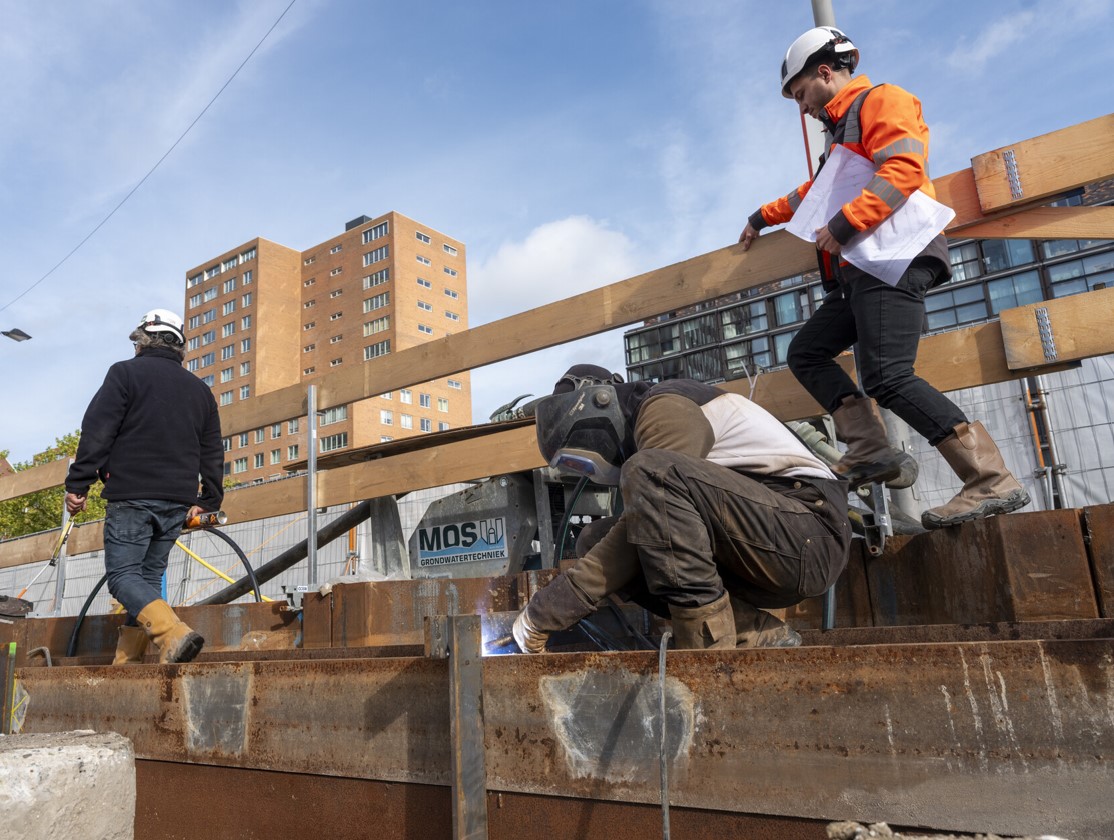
726, 512
152, 435
883, 124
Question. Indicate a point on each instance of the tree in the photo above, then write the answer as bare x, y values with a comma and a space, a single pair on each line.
42, 510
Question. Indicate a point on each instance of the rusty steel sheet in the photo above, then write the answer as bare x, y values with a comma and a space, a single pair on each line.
1010, 737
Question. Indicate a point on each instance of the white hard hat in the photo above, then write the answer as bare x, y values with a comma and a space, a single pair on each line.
163, 321
822, 39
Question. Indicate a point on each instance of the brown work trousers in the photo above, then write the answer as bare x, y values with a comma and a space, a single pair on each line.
692, 529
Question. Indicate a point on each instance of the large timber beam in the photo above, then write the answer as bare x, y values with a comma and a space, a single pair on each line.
1008, 737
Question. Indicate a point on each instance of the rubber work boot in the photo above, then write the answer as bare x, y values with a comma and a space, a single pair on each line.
710, 627
755, 628
131, 645
988, 487
869, 458
175, 640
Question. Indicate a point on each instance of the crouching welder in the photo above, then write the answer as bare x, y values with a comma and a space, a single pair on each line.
726, 513
152, 435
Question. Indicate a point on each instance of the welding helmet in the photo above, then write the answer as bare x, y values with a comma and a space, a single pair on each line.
824, 44
163, 321
582, 428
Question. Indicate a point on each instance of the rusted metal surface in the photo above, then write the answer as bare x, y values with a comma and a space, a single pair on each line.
1098, 525
1094, 628
1009, 737
211, 802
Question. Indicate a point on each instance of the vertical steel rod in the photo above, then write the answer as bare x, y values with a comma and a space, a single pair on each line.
466, 711
311, 483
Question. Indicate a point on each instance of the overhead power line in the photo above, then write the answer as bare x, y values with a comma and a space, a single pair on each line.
151, 171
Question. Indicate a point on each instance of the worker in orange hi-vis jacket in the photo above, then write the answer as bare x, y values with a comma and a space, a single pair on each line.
883, 124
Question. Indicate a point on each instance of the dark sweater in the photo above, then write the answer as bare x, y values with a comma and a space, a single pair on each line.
151, 432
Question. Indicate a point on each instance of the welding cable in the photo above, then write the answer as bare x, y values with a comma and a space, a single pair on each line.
239, 553
599, 637
71, 650
211, 568
635, 632
661, 751
566, 521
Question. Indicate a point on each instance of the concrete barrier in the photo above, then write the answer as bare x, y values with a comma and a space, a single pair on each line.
67, 786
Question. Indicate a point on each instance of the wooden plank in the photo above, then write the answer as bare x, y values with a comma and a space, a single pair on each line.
1047, 223
13, 485
1075, 327
1045, 166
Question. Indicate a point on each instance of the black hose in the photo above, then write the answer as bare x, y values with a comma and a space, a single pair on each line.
71, 650
566, 521
243, 559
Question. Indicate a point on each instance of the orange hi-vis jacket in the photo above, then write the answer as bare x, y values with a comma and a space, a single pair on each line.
893, 135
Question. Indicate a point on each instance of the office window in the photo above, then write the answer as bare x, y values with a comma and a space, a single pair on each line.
276, 430
1059, 247
386, 396
208, 380
336, 249
424, 283
378, 278
307, 283
385, 438
406, 421
228, 285
422, 328
405, 396
335, 362
452, 272
194, 281
653, 344
424, 260
309, 260
377, 232
380, 253
242, 439
227, 444
426, 424
276, 456
450, 293
1093, 272
228, 308
449, 249
452, 316
377, 301
225, 398
247, 255
1000, 254
207, 359
309, 348
1015, 290
245, 345
245, 391
336, 339
454, 383
966, 262
192, 365
245, 299
425, 307
228, 329
195, 301
245, 368
378, 325
245, 322
421, 237
226, 375
258, 460
336, 271
208, 337
309, 325
195, 322
240, 465
335, 293
292, 452
309, 304
334, 415
308, 371
744, 320
247, 277
442, 426
259, 434
790, 307
747, 357
387, 418
227, 353
210, 294
442, 404
380, 349
955, 306
208, 315
336, 316
210, 273
425, 400
193, 343
292, 426
228, 264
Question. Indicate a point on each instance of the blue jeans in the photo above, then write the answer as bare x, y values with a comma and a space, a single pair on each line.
885, 322
138, 536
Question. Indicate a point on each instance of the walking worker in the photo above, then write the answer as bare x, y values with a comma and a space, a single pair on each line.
883, 124
152, 435
726, 513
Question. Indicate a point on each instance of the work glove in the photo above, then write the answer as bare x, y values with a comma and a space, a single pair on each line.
528, 638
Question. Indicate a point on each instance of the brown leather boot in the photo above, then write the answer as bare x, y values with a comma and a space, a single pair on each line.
710, 627
175, 640
869, 458
988, 487
755, 628
131, 645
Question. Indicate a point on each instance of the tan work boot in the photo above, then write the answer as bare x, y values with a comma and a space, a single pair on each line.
175, 640
131, 645
869, 458
755, 628
710, 627
988, 487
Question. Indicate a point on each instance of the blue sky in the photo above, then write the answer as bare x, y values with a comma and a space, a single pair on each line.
568, 144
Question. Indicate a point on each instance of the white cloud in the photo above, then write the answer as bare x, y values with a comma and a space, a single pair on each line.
973, 54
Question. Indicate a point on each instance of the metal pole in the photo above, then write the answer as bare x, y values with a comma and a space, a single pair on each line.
822, 14
60, 572
311, 482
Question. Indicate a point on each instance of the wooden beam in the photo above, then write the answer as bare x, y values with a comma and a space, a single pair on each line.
13, 485
1046, 223
1057, 331
1045, 166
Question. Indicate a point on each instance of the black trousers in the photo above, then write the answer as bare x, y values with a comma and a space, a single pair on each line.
885, 322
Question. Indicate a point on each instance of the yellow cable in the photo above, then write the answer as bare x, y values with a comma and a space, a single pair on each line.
212, 569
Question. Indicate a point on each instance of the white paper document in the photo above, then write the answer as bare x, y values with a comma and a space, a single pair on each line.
886, 249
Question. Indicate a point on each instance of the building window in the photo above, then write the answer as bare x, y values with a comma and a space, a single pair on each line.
336, 271
1082, 275
425, 307
292, 452
276, 456
242, 439
195, 322
245, 391
745, 319
228, 264
247, 255
335, 362
210, 294
1000, 254
228, 285
405, 396
421, 237
228, 329
385, 396
442, 426
226, 375
309, 325
380, 349
452, 316
245, 322
309, 260
1059, 247
208, 315
455, 383
307, 283
450, 293
336, 339
380, 253
247, 277
336, 249
449, 249
193, 343
226, 398
442, 404
422, 328
195, 301
334, 415
377, 301
210, 273
452, 272
258, 460
227, 444
245, 345
309, 304
336, 316
954, 307
208, 380
259, 433
308, 371
424, 260
194, 281
425, 400
426, 424
208, 337
790, 307
192, 365
378, 278
245, 299
387, 418
1015, 290
240, 465
406, 421
335, 293
378, 325
424, 283
207, 360
228, 308
653, 344
276, 430
309, 348
385, 438
377, 232
965, 260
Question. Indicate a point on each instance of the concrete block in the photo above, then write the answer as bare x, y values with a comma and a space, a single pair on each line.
67, 786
